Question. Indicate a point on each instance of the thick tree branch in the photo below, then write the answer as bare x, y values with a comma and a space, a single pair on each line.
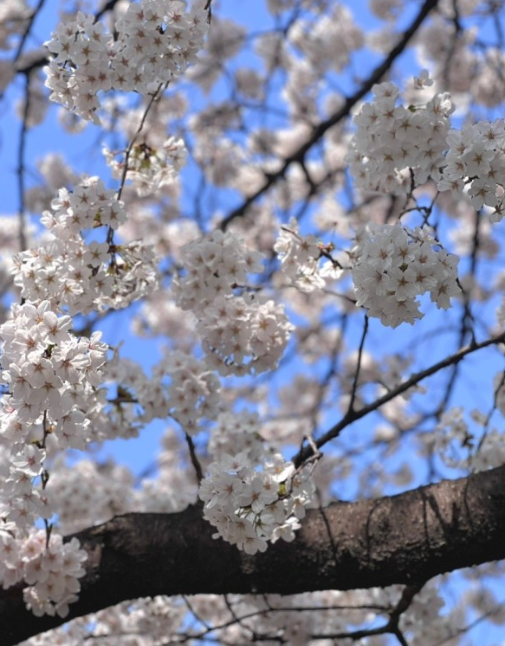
404, 539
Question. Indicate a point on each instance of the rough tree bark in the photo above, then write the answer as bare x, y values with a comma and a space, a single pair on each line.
406, 539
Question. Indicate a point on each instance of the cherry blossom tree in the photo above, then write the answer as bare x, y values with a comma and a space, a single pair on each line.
296, 206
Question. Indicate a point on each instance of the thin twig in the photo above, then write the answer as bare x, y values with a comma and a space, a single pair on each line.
353, 416
318, 132
194, 459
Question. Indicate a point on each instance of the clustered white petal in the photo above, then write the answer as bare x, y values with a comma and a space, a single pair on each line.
397, 146
51, 378
237, 433
155, 41
150, 169
85, 276
393, 265
248, 507
87, 494
191, 395
476, 159
50, 567
329, 41
458, 444
242, 331
14, 17
49, 373
299, 257
180, 387
452, 439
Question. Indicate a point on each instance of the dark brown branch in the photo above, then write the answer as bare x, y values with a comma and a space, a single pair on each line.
22, 167
404, 539
345, 110
194, 458
354, 388
26, 32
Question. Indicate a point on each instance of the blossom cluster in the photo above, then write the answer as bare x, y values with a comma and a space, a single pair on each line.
242, 331
394, 265
462, 447
180, 387
52, 379
249, 508
423, 622
300, 256
49, 372
154, 42
476, 159
149, 169
396, 146
329, 41
452, 439
14, 15
148, 621
214, 266
85, 276
191, 395
237, 433
50, 568
88, 494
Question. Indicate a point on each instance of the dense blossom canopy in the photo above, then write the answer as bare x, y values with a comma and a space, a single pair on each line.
296, 206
